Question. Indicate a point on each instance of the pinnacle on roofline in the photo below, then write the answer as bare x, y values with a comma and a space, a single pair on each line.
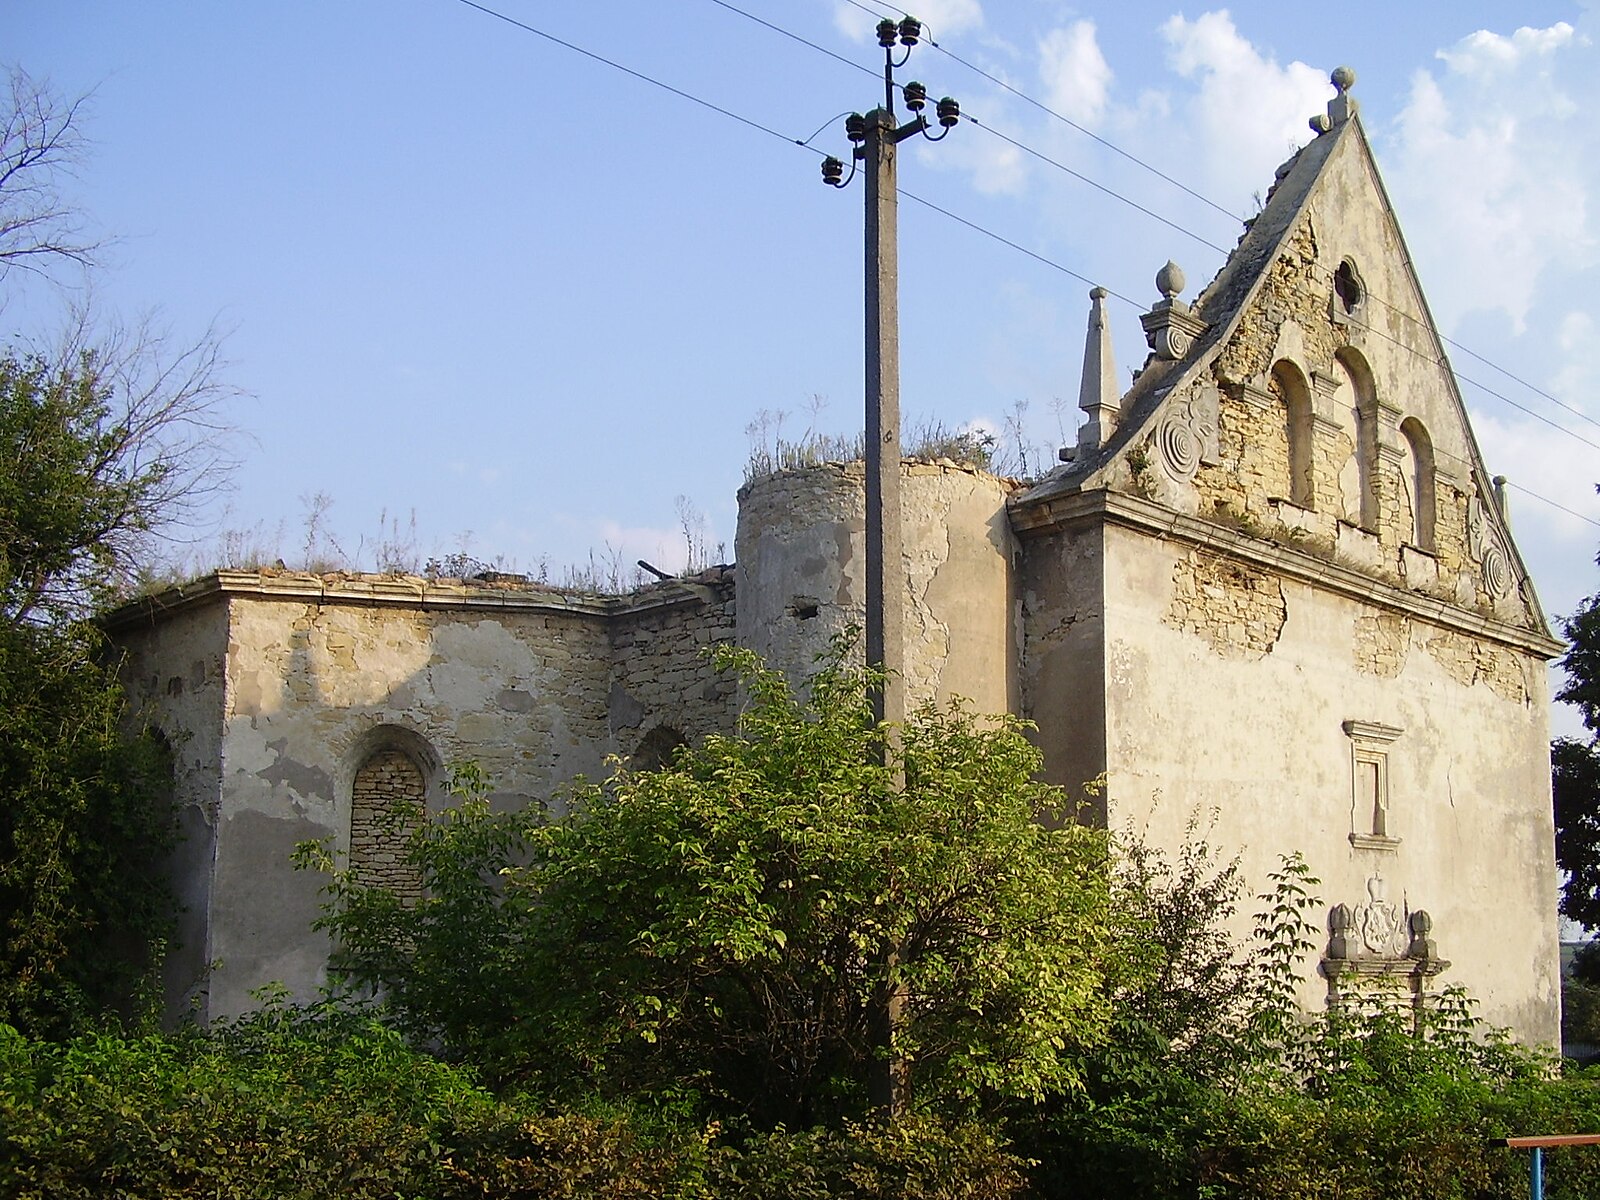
1098, 394
1342, 107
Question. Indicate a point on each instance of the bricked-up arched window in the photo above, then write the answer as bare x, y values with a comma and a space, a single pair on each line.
1419, 482
1292, 391
1358, 396
388, 804
656, 748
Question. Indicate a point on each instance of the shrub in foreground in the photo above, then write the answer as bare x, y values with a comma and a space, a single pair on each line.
289, 1104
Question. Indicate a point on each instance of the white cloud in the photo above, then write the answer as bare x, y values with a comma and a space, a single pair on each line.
1076, 76
1505, 115
1488, 54
1248, 112
1579, 341
997, 168
943, 18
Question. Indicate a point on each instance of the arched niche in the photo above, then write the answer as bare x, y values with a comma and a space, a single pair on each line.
1419, 480
392, 773
1356, 406
1294, 393
656, 748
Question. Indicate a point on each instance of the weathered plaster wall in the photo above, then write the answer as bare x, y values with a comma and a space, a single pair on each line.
662, 681
174, 673
1208, 712
1063, 656
287, 686
801, 551
316, 687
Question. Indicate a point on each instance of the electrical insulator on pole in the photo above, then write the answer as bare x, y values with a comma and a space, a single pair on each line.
875, 137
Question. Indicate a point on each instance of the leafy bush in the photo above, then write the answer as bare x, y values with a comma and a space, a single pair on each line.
328, 1103
85, 814
912, 1159
1375, 1101
739, 921
291, 1105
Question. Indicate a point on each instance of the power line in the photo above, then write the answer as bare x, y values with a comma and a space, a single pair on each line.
1064, 119
1005, 241
803, 143
1115, 195
849, 62
1114, 148
973, 225
640, 75
1553, 504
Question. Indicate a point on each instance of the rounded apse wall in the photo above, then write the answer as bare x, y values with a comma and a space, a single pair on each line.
801, 554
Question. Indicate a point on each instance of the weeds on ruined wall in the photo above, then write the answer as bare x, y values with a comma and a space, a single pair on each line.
1138, 460
393, 547
1007, 449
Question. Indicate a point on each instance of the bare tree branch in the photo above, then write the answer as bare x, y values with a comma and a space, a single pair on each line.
114, 438
41, 144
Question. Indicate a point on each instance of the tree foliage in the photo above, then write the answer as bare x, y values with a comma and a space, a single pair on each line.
108, 436
84, 819
105, 443
1575, 770
733, 921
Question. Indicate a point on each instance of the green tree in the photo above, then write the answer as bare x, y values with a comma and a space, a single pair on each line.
1575, 770
734, 921
107, 437
84, 805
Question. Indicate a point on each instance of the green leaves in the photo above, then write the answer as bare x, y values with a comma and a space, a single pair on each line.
85, 816
732, 920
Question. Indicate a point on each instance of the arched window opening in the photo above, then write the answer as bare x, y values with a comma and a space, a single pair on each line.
1347, 287
388, 806
656, 748
1357, 400
1419, 481
1291, 389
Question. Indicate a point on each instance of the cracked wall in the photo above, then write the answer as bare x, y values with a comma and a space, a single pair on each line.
299, 701
1241, 722
801, 549
1236, 608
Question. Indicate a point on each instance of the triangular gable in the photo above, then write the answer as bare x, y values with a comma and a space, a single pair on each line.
1315, 404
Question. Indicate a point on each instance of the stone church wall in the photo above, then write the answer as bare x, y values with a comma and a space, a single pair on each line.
801, 549
664, 689
309, 706
174, 671
1301, 715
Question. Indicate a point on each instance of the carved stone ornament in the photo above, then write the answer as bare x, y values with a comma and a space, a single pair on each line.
1497, 579
1188, 434
1378, 929
1484, 544
1171, 327
1383, 943
1476, 525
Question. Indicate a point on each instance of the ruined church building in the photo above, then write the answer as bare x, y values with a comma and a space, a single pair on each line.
1271, 580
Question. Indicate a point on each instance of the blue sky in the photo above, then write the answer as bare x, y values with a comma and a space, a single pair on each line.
473, 275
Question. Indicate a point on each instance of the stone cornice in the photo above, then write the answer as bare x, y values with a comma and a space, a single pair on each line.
401, 591
1146, 516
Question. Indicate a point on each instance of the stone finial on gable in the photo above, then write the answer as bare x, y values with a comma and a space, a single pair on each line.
1343, 106
1171, 327
1098, 395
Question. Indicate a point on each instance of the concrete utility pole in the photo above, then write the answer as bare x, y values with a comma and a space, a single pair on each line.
877, 137
885, 574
